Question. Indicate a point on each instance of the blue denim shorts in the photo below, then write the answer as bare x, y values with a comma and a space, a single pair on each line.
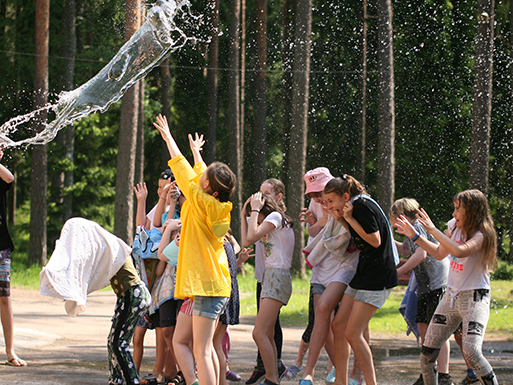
209, 307
317, 288
375, 298
5, 273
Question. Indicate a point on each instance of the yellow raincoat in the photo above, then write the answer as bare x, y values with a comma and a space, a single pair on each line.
202, 263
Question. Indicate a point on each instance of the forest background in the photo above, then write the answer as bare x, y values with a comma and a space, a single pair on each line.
241, 90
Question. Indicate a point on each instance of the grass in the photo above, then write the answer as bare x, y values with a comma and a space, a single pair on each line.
387, 321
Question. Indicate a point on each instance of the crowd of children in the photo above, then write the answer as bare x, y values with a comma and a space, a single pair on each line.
186, 257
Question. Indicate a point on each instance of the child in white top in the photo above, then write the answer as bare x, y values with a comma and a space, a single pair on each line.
470, 244
268, 220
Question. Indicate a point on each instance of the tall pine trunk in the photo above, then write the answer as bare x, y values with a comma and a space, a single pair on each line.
288, 59
299, 126
482, 109
234, 131
259, 131
212, 80
125, 175
386, 113
38, 204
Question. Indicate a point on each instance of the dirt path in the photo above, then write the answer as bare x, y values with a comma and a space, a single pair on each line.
64, 350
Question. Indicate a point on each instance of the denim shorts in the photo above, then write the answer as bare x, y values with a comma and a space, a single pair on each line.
5, 273
375, 298
209, 307
317, 288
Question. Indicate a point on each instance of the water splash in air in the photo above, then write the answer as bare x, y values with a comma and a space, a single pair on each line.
149, 46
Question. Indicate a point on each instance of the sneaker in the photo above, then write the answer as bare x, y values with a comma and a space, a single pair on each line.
467, 381
330, 377
232, 376
444, 379
282, 369
292, 371
420, 381
257, 376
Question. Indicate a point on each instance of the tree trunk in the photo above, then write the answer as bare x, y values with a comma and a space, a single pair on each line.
511, 164
234, 132
123, 222
258, 133
38, 209
386, 113
212, 79
299, 126
287, 50
482, 110
361, 160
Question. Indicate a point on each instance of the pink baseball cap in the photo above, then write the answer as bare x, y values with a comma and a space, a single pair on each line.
316, 179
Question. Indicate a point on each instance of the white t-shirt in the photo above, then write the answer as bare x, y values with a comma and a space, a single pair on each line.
278, 243
151, 215
331, 269
466, 273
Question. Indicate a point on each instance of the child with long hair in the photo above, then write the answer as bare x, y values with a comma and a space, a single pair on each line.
267, 219
470, 243
276, 189
202, 271
375, 276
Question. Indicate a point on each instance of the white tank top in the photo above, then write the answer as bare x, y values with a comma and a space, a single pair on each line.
466, 273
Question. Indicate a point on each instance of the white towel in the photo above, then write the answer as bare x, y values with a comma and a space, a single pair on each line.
85, 258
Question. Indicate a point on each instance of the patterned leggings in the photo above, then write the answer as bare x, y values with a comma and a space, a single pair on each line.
472, 309
129, 309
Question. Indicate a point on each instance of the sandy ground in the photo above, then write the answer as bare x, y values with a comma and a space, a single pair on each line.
64, 350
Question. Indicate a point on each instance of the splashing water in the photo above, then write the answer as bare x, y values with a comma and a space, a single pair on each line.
149, 46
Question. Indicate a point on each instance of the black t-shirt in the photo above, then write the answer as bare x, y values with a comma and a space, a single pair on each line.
376, 268
5, 237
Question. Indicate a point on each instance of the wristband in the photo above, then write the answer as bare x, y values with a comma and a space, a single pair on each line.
255, 211
415, 237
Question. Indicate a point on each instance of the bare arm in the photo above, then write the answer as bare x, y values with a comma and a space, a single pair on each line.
5, 174
163, 128
196, 145
141, 193
169, 226
314, 225
252, 231
373, 239
416, 259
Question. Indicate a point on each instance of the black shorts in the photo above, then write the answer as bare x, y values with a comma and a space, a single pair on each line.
426, 305
166, 313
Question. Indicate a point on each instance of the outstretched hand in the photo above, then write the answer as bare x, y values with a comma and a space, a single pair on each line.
197, 143
403, 226
425, 220
141, 192
163, 127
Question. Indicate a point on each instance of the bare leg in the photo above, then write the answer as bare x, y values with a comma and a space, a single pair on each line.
203, 333
138, 342
342, 348
8, 327
170, 369
359, 318
218, 346
182, 339
263, 335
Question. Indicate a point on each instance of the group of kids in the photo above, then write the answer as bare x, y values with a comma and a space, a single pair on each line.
354, 260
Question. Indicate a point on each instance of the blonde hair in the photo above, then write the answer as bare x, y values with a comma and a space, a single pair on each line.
404, 206
277, 187
478, 218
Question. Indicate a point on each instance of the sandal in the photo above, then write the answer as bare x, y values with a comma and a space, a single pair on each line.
150, 379
178, 380
16, 361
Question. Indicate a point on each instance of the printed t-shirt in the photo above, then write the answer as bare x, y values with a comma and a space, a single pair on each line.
376, 268
279, 243
5, 236
431, 274
466, 273
202, 263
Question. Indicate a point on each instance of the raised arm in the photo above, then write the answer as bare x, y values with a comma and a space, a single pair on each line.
141, 193
196, 145
252, 231
169, 226
163, 127
5, 174
459, 250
